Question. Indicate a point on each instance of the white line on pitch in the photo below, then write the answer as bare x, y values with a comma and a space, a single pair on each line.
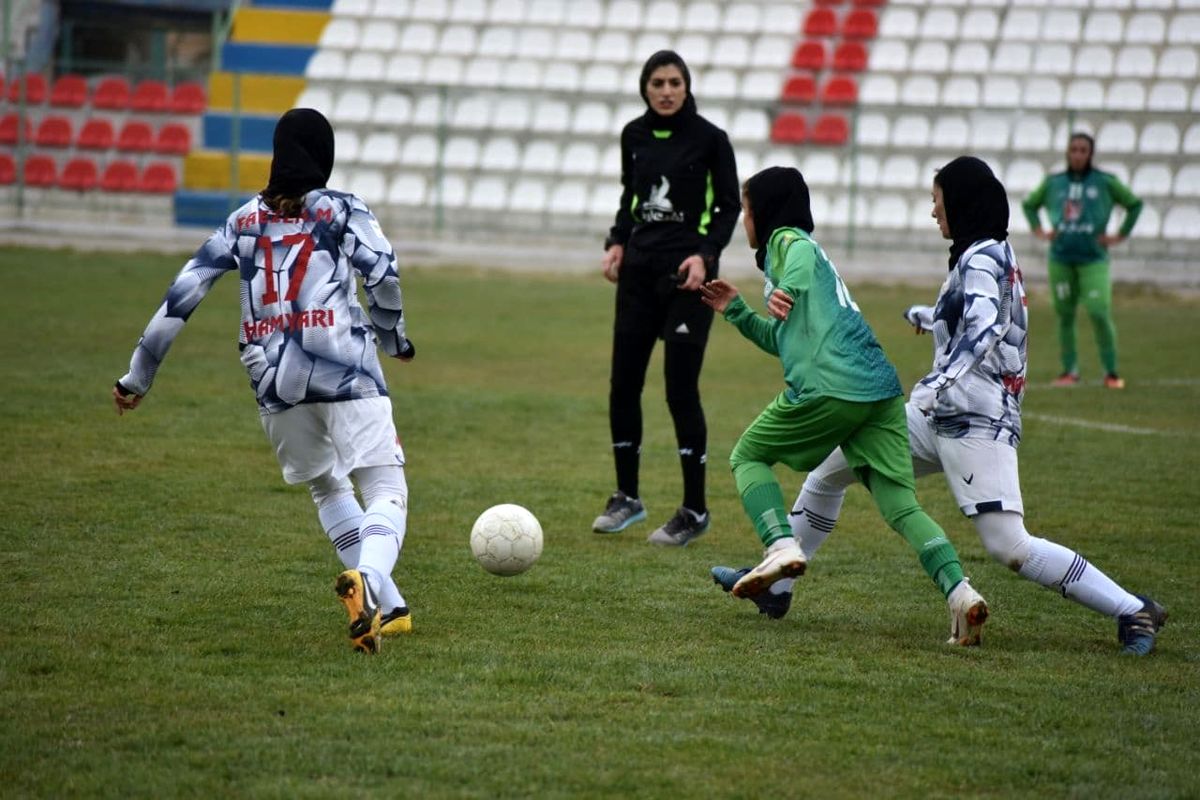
1111, 427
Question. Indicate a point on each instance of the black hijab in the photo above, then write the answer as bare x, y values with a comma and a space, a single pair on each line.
778, 199
303, 158
975, 202
655, 120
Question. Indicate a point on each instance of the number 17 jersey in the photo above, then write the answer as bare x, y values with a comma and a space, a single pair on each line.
303, 335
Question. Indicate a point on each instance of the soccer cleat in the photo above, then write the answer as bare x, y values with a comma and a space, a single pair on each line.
968, 612
786, 562
1066, 379
1112, 381
396, 622
356, 595
774, 604
621, 512
681, 529
1137, 632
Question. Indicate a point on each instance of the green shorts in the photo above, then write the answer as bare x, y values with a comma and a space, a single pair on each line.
873, 436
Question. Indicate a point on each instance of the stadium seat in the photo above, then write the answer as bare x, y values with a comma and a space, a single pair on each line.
173, 139
119, 176
96, 134
878, 90
1052, 59
385, 37
840, 90
551, 116
719, 84
899, 22
889, 56
850, 57
1021, 25
1187, 181
930, 57
800, 89
1043, 93
568, 197
950, 133
8, 170
500, 154
665, 15
770, 51
420, 150
32, 86
1149, 224
407, 189
592, 118
698, 46
69, 91
511, 114
1103, 26
1181, 222
541, 155
872, 130
317, 97
919, 90
1151, 179
40, 171
1178, 62
111, 93
473, 112
939, 23
1012, 58
1167, 96
497, 42
135, 136
150, 96
545, 12
760, 85
521, 74
580, 158
381, 148
1061, 25
574, 45
1023, 175
960, 92
989, 132
750, 125
188, 98
741, 18
347, 145
1086, 93
809, 55
734, 53
442, 70
980, 24
473, 11
1116, 136
1094, 60
888, 211
605, 198
911, 131
789, 129
1185, 29
326, 65
1032, 135
80, 175
1159, 138
602, 78
352, 106
820, 22
971, 58
158, 178
1001, 91
1135, 61
1146, 27
461, 153
821, 169
341, 33
11, 129
860, 23
457, 40
53, 131
1125, 96
830, 129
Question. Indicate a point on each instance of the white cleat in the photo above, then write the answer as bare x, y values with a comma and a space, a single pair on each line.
968, 612
786, 562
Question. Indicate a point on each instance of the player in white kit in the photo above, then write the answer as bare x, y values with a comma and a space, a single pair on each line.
310, 351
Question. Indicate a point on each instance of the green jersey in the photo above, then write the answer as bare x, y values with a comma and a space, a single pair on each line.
1079, 207
826, 346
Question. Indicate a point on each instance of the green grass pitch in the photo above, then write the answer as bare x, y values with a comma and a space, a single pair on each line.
170, 627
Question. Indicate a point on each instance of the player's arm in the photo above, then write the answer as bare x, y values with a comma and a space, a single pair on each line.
986, 288
622, 229
724, 298
1123, 196
726, 200
373, 258
1031, 206
214, 258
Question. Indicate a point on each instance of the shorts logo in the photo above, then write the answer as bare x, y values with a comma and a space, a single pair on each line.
968, 478
683, 328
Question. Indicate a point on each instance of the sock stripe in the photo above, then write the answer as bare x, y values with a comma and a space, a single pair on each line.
346, 540
1075, 571
377, 530
821, 523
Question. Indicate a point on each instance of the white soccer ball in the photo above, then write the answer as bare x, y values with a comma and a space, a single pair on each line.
506, 539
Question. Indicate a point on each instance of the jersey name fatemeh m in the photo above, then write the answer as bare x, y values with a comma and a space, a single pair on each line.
304, 337
980, 328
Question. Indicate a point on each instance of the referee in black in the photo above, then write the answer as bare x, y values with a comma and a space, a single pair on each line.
678, 208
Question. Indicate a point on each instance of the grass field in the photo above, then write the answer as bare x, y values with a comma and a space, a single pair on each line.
170, 627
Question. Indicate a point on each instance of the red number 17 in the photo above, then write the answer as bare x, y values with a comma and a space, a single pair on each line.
299, 265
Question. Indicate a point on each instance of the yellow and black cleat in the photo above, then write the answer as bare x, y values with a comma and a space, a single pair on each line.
396, 622
356, 596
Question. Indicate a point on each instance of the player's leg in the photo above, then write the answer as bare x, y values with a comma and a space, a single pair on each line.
682, 361
384, 526
1095, 290
1064, 296
340, 513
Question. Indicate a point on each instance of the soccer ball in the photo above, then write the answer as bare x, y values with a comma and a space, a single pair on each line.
506, 539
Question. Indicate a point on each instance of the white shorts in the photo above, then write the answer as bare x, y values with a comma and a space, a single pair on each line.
313, 439
981, 473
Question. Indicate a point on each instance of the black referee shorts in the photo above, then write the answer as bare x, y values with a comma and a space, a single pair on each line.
650, 302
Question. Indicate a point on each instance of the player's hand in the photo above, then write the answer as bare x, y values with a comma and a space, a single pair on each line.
779, 304
1045, 235
692, 273
920, 317
1109, 241
408, 351
923, 398
125, 401
611, 263
718, 294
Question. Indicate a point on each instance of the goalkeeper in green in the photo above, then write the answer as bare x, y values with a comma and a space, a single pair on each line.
1079, 203
841, 391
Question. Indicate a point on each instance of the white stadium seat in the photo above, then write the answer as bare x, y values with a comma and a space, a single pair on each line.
429, 111
541, 155
433, 10
385, 37
497, 42
1185, 29
821, 169
389, 9
1116, 136
488, 194
840, 214
528, 196
1001, 91
899, 172
353, 106
350, 8
450, 192
1151, 179
461, 153
1178, 62
367, 184
610, 162
1031, 134
507, 12
472, 112
403, 68
1125, 96
1052, 59
1146, 26
911, 131
511, 114
663, 15
888, 211
601, 79
1159, 138
719, 84
1181, 222
1136, 61
990, 132
702, 17
649, 42
734, 52
521, 75
580, 158
878, 90
1149, 224
605, 198
446, 70
562, 77
340, 34
568, 197
1191, 140
771, 51
1094, 60
1085, 93
694, 47
1022, 24
1023, 176
899, 22
930, 57
872, 130
919, 90
1103, 26
950, 132
326, 65
613, 47
362, 64
535, 43
1061, 26
980, 24
1187, 181
380, 148
457, 40
760, 85
551, 116
971, 58
475, 11
317, 97
500, 154
1043, 93
889, 56
482, 73
545, 12
407, 189
393, 108
592, 118
864, 170
939, 23
1012, 58
750, 125
347, 145
420, 150
960, 92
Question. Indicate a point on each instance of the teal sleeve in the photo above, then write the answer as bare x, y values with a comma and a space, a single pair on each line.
1123, 196
752, 325
799, 261
1033, 204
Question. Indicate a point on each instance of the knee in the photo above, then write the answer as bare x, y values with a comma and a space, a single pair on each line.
1004, 537
326, 489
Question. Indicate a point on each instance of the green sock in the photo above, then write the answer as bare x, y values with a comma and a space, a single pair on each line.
763, 500
941, 564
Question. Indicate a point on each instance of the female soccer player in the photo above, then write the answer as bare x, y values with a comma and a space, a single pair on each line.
310, 353
677, 212
841, 392
964, 417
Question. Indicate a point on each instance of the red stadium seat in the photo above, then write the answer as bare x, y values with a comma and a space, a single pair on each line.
861, 23
840, 90
10, 127
135, 137
8, 169
53, 132
188, 98
112, 93
80, 174
173, 139
850, 57
820, 22
789, 129
158, 178
150, 96
69, 91
831, 129
120, 176
40, 171
34, 86
809, 55
869, 2
800, 89
828, 2
96, 134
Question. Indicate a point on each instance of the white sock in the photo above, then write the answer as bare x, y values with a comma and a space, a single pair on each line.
815, 512
381, 536
1057, 567
340, 520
